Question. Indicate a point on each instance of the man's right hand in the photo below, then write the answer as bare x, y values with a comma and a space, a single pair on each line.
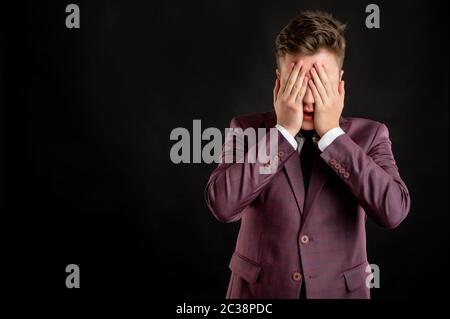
290, 88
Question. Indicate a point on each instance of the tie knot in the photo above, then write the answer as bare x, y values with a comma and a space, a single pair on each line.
306, 137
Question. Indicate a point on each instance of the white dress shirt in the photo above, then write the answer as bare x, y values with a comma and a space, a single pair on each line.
323, 142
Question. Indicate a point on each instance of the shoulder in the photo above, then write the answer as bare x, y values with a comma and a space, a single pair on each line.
264, 119
356, 124
364, 130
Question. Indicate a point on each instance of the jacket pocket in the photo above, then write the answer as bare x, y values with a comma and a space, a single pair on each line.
244, 267
356, 277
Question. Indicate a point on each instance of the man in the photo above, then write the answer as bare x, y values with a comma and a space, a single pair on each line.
302, 232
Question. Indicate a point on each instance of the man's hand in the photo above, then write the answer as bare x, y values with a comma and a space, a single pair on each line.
288, 96
328, 99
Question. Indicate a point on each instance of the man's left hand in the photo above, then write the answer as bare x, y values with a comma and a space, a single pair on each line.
328, 99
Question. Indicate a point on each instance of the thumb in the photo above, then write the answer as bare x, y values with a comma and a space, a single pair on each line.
275, 90
342, 88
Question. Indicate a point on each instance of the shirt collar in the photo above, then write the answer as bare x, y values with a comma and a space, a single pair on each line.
300, 138
315, 137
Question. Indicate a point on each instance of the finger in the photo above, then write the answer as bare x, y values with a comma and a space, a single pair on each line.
285, 77
275, 90
326, 81
302, 91
315, 92
298, 83
292, 80
318, 84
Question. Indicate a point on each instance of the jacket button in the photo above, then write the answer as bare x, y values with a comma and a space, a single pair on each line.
346, 174
280, 153
304, 239
342, 171
332, 161
337, 166
297, 276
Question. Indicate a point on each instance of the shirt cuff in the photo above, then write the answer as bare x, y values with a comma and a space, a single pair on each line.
329, 137
287, 136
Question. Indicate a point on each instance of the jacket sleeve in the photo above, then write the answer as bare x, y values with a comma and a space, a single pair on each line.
372, 177
233, 185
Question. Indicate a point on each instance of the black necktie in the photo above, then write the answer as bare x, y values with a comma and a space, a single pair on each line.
307, 156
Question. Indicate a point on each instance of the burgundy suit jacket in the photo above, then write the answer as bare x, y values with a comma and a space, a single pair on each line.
286, 238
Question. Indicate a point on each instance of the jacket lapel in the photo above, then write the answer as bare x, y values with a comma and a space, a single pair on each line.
293, 171
295, 176
318, 177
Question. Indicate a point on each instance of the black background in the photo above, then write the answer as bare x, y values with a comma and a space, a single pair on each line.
86, 176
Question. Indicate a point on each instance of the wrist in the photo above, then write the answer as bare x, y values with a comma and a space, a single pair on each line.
329, 137
292, 131
287, 136
322, 132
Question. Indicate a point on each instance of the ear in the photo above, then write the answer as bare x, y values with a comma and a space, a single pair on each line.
277, 73
342, 73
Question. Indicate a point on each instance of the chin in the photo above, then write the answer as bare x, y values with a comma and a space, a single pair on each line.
308, 126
